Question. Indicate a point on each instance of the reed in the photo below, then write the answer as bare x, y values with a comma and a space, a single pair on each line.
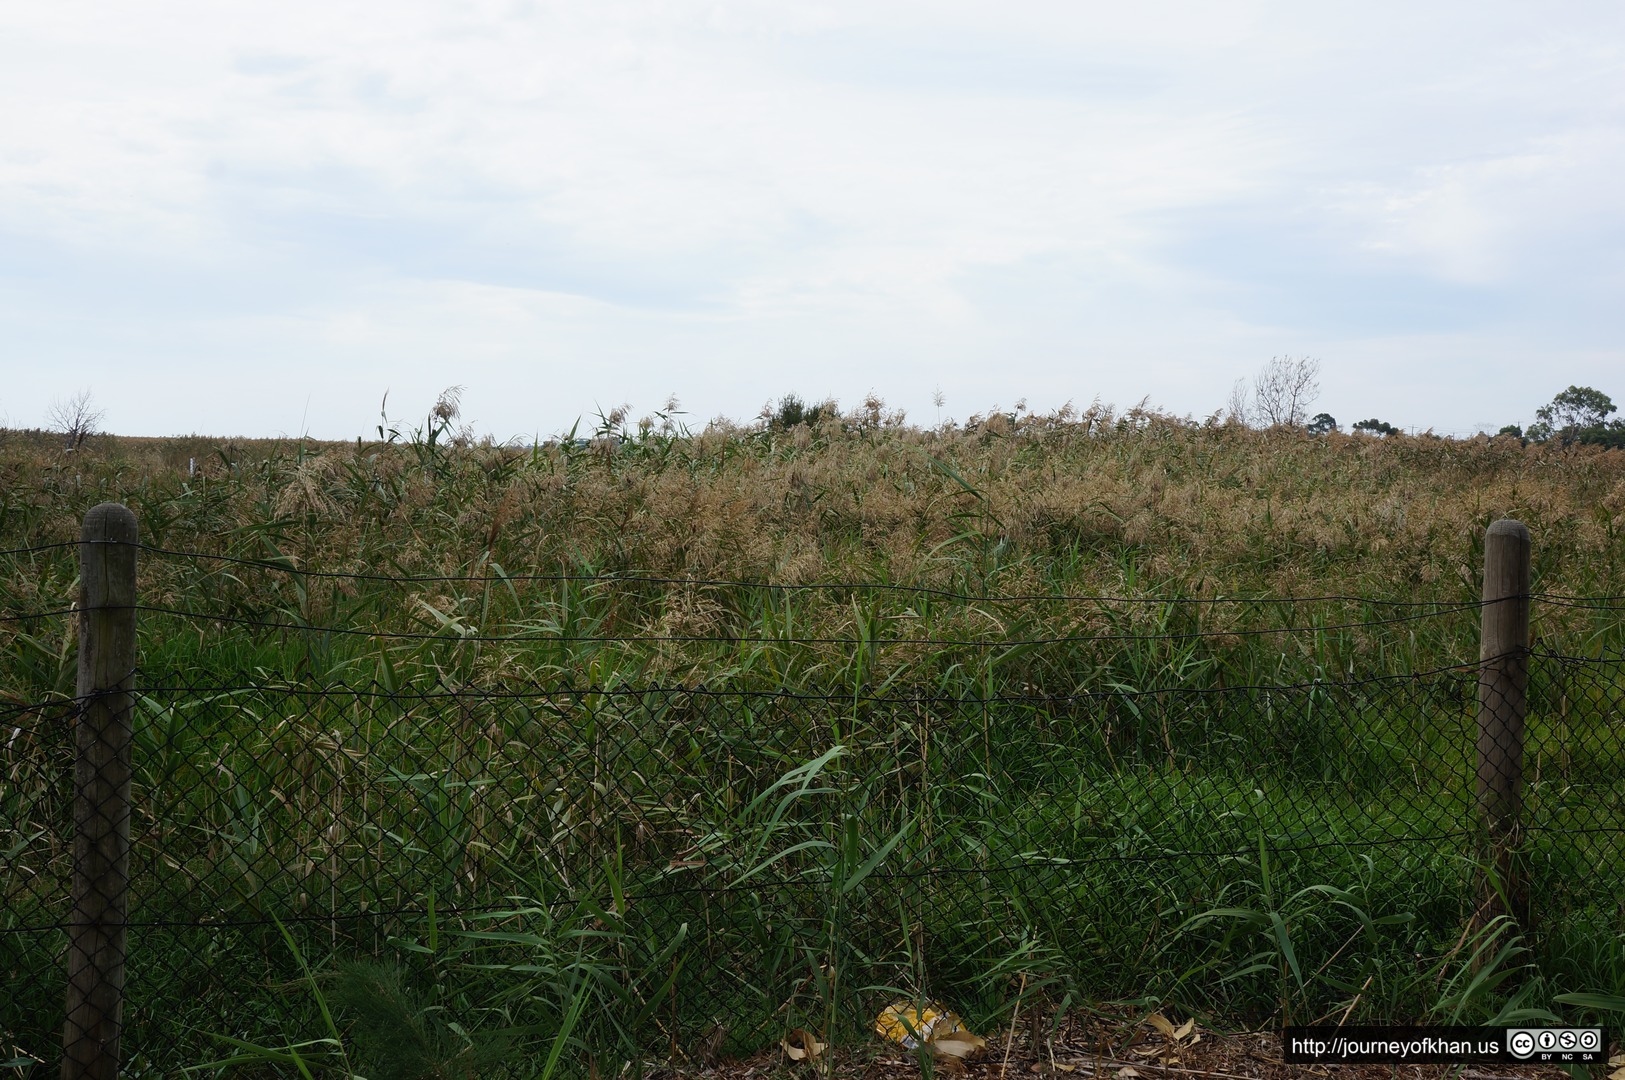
417, 675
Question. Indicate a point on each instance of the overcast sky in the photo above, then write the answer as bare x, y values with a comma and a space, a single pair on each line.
256, 219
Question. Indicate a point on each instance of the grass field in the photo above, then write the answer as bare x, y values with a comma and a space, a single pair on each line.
758, 728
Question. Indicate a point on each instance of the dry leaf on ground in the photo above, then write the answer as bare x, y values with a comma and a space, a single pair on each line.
1161, 1023
958, 1044
802, 1045
1179, 1034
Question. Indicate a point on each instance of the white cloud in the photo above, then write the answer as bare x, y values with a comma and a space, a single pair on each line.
732, 198
1481, 221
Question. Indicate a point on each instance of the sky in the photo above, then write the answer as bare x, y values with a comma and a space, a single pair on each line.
259, 219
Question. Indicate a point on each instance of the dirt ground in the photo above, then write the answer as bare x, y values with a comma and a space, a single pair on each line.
1099, 1047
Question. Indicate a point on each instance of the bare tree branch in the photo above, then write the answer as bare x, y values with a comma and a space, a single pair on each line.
75, 418
1284, 390
1236, 410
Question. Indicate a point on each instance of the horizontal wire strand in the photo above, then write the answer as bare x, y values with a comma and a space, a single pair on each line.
615, 579
752, 639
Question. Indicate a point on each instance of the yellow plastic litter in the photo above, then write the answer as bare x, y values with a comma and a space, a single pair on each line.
902, 1023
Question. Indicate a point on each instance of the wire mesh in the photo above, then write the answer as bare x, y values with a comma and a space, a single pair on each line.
740, 842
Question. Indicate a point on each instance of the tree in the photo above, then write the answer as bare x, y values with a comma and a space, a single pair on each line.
75, 418
1611, 434
1578, 414
1236, 409
1576, 408
1284, 390
1322, 424
792, 411
1375, 427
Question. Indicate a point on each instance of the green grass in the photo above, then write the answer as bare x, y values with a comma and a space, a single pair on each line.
960, 787
1120, 848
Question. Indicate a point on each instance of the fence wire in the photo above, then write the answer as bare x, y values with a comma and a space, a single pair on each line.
732, 844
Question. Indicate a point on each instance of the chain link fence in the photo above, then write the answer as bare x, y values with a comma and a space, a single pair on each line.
183, 863
731, 836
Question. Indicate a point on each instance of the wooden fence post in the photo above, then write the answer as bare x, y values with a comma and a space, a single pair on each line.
101, 806
1503, 684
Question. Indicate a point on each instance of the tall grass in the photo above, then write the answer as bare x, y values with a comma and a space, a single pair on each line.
1143, 507
943, 725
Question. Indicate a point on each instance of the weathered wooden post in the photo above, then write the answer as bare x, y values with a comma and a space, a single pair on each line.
101, 807
1503, 684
